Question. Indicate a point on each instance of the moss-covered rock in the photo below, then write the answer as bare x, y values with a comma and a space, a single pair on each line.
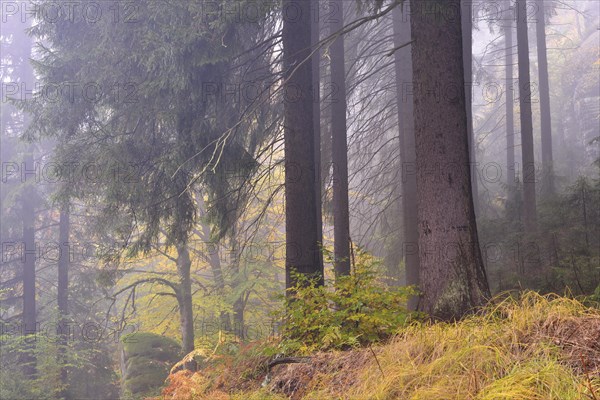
150, 344
146, 359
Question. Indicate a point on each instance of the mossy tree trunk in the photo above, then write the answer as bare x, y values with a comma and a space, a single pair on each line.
452, 274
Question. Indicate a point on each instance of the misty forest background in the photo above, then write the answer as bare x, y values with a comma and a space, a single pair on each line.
174, 168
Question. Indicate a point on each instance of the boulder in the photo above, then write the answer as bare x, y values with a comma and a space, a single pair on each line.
146, 359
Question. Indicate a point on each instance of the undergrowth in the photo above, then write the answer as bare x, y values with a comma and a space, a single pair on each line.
352, 311
529, 347
519, 349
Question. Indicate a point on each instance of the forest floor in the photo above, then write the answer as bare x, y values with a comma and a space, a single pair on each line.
534, 347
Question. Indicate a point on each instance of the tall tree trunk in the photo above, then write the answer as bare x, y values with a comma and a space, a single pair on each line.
510, 104
316, 90
510, 114
528, 161
64, 262
339, 148
546, 119
404, 79
467, 34
184, 297
452, 274
302, 233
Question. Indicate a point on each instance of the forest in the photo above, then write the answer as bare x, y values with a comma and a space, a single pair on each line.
300, 199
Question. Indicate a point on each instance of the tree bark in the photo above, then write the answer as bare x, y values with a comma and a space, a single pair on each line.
467, 34
316, 90
510, 103
302, 249
528, 167
452, 274
239, 306
184, 297
511, 167
544, 87
404, 81
339, 148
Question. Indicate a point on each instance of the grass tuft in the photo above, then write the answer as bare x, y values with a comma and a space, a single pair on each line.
529, 347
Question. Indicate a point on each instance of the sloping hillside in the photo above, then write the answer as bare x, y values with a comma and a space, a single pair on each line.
536, 347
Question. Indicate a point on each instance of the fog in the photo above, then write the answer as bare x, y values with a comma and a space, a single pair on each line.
164, 171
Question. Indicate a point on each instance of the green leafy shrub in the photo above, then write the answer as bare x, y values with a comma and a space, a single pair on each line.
355, 310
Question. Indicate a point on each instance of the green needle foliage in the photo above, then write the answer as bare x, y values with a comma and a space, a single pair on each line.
144, 102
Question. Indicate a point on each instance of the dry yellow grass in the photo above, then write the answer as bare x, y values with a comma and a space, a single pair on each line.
531, 348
